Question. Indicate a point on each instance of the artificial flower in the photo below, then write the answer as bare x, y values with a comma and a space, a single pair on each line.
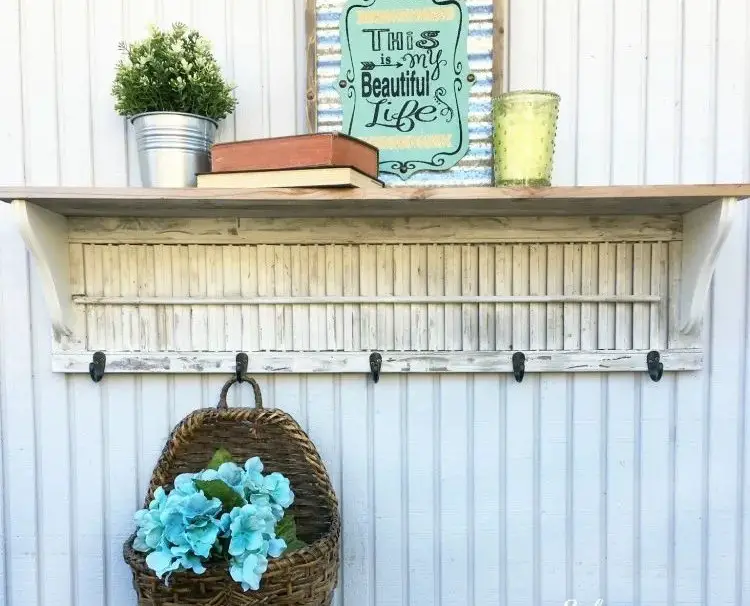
248, 570
197, 520
248, 526
162, 562
183, 484
277, 487
253, 480
229, 473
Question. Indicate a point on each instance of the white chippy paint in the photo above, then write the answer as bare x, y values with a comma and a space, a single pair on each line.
385, 300
394, 362
383, 230
455, 488
352, 298
706, 231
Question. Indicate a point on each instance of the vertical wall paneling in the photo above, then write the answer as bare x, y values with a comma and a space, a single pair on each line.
88, 503
358, 482
248, 34
20, 437
423, 498
109, 153
460, 489
485, 448
215, 22
561, 37
455, 410
552, 478
519, 490
53, 466
595, 91
137, 16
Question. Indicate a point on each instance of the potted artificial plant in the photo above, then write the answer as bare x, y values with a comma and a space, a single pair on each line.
171, 89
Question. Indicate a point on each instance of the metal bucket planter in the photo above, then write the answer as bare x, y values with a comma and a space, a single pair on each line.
173, 147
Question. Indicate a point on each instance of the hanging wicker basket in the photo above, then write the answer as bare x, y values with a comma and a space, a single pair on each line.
306, 576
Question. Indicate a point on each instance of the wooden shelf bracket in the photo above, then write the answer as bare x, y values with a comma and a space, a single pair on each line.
705, 231
46, 236
672, 235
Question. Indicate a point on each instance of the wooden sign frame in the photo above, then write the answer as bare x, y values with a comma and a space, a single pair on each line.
499, 8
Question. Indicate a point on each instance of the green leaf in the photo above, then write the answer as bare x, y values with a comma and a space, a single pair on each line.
287, 529
222, 491
222, 455
294, 545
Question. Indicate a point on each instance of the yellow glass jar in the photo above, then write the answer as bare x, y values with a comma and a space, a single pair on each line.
525, 128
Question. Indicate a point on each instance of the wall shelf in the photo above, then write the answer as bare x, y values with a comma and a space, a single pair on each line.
492, 270
393, 201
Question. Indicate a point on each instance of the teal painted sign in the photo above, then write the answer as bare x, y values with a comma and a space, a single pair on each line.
404, 81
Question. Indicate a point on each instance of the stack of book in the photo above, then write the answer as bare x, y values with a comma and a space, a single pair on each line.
315, 160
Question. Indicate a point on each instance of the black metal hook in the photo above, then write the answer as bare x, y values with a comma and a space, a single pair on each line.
654, 365
241, 366
96, 366
519, 365
376, 363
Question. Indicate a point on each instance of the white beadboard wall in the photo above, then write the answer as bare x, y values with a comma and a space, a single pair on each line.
455, 490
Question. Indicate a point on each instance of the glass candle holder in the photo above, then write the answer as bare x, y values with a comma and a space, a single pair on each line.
525, 128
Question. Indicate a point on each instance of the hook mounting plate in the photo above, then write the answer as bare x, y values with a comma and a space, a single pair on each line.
654, 365
519, 365
376, 363
97, 365
241, 366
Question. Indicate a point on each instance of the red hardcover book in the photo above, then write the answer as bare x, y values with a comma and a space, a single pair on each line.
315, 150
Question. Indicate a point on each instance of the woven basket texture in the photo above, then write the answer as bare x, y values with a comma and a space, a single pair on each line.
307, 576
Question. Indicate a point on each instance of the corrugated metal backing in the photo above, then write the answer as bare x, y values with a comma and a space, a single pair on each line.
476, 167
455, 490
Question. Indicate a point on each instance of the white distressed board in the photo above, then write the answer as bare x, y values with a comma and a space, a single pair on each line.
197, 293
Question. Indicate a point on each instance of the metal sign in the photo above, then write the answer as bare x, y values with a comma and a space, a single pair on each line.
404, 81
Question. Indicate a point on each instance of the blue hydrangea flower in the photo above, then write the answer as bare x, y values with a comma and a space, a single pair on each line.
264, 500
165, 561
230, 473
253, 480
184, 485
275, 547
162, 562
150, 534
248, 526
187, 560
277, 487
247, 570
183, 528
179, 528
193, 523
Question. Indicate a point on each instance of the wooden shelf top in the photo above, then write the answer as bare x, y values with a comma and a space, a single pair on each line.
389, 201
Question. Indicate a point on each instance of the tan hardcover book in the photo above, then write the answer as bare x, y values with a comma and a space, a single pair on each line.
298, 151
294, 177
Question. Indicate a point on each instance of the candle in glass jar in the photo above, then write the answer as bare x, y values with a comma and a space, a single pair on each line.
525, 125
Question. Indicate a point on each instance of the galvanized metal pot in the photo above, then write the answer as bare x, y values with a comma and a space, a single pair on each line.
173, 147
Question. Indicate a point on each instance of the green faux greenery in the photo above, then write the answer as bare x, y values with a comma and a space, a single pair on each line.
172, 71
285, 529
221, 455
220, 490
